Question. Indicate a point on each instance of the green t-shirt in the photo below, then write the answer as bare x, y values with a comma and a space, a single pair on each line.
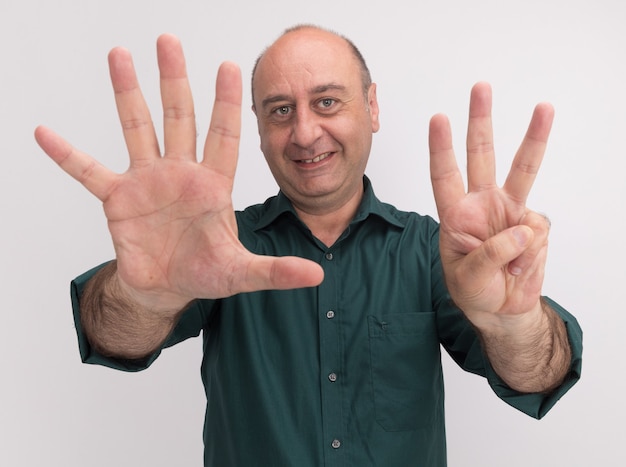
344, 374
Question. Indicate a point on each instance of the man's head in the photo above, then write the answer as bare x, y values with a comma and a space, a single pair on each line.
366, 77
316, 110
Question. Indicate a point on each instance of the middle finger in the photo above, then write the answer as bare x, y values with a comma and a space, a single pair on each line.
178, 110
480, 150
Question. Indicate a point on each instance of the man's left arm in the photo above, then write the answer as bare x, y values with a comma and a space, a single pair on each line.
532, 354
493, 248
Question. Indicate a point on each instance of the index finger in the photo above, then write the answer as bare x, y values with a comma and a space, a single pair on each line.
528, 158
222, 142
445, 176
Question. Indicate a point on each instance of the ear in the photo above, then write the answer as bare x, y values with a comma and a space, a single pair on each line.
372, 107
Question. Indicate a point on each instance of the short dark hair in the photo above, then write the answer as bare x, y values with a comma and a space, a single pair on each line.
366, 77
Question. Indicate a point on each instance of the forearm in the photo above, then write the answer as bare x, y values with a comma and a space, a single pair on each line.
115, 324
530, 353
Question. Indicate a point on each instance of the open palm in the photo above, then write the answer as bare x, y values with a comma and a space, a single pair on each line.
171, 217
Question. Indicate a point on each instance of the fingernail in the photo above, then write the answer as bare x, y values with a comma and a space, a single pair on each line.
521, 235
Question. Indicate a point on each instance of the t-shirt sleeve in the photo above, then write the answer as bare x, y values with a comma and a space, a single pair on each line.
462, 343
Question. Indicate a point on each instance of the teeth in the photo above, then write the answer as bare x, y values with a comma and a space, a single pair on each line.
321, 157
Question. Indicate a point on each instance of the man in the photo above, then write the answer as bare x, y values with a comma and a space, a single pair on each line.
322, 310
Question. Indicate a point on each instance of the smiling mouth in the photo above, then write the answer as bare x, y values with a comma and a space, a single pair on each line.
319, 158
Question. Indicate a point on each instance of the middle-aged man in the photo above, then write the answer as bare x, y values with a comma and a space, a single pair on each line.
323, 309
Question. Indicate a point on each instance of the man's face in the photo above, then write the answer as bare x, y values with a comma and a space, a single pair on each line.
315, 119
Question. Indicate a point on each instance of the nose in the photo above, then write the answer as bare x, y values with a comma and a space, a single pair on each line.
307, 128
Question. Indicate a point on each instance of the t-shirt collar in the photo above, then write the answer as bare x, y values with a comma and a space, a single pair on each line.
370, 204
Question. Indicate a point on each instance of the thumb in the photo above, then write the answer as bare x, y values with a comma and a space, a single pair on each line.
498, 251
280, 273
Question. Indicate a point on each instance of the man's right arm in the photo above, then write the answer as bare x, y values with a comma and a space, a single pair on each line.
118, 326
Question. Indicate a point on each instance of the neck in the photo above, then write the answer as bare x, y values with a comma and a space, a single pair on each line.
328, 225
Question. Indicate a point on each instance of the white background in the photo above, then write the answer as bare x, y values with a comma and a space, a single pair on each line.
425, 55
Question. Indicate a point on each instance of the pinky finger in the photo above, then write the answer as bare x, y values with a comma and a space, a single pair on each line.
80, 166
535, 255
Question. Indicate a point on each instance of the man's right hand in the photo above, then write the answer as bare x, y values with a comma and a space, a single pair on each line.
171, 218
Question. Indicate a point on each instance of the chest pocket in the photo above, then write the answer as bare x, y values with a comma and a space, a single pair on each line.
406, 370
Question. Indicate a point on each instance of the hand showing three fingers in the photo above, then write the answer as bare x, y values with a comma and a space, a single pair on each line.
493, 248
171, 218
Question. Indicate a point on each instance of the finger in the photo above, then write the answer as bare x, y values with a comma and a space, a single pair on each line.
133, 112
178, 110
288, 272
222, 142
534, 255
445, 176
484, 262
530, 154
481, 166
86, 170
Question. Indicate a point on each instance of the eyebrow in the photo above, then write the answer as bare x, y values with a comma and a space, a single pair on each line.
316, 90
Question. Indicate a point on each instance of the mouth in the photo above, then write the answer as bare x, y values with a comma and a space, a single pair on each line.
319, 158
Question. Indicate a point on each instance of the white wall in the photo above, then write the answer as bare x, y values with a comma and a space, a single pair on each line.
425, 55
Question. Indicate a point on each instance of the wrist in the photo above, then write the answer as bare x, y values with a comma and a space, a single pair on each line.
157, 302
516, 325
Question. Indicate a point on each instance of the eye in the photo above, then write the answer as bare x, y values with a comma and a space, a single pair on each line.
326, 103
282, 110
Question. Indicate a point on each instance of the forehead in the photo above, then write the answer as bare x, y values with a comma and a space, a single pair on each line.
304, 60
